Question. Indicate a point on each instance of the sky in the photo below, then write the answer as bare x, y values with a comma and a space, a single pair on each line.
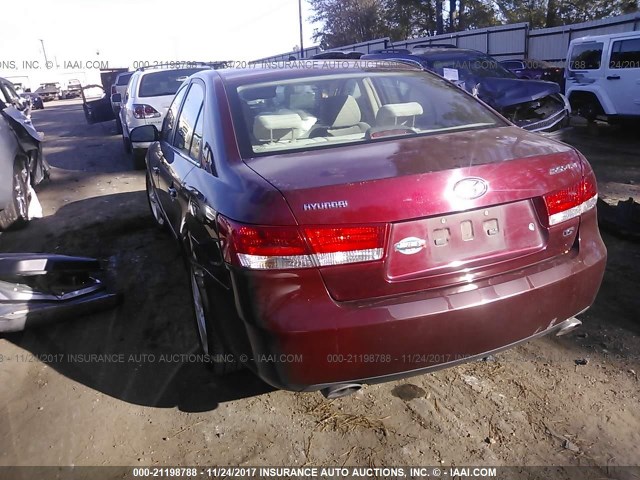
128, 32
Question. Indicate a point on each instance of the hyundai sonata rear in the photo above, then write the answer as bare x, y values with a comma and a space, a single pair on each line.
378, 222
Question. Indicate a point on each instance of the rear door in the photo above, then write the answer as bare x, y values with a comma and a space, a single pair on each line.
163, 155
623, 76
180, 158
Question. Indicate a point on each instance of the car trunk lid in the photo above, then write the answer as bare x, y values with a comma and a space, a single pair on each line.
434, 237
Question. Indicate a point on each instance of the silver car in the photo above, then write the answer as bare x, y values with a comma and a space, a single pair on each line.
22, 165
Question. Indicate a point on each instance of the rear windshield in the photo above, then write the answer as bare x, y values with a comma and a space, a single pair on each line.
586, 56
164, 82
123, 79
345, 108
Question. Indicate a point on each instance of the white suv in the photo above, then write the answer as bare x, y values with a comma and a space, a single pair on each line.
146, 101
603, 76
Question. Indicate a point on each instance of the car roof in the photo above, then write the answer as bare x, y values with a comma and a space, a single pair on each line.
304, 68
444, 51
594, 38
432, 52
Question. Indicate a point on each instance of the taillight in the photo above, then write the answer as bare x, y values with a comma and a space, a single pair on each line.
113, 89
141, 111
565, 204
263, 248
340, 245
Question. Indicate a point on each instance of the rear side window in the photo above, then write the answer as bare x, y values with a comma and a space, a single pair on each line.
625, 54
164, 82
586, 56
188, 118
170, 119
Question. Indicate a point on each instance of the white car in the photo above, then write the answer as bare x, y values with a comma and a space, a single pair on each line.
146, 101
120, 87
603, 76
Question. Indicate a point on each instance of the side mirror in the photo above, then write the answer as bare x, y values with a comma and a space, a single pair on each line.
116, 98
145, 133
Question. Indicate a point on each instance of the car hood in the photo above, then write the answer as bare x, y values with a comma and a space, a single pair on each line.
505, 92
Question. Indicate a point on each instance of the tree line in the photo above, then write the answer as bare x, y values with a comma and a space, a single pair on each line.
352, 21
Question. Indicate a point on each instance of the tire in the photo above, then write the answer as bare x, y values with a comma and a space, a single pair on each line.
220, 361
126, 144
16, 214
139, 162
154, 206
118, 125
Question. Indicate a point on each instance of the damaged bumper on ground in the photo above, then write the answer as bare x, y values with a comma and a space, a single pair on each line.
38, 288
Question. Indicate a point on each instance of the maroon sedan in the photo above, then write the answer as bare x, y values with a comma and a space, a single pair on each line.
352, 223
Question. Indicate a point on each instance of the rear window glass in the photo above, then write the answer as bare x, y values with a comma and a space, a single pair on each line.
164, 82
338, 109
625, 54
586, 56
123, 79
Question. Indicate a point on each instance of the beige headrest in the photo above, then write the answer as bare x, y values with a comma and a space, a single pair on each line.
395, 113
269, 127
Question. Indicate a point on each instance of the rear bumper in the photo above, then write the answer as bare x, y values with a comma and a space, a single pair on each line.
301, 339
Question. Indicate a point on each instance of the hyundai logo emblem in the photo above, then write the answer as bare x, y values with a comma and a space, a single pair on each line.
470, 188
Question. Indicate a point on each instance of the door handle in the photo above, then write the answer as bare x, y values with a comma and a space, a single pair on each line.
613, 77
173, 193
196, 193
156, 170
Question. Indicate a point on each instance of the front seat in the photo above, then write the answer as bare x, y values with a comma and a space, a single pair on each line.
341, 116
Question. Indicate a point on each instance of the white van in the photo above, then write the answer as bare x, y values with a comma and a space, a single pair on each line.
602, 76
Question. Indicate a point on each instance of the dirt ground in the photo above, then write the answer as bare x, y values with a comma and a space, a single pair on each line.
532, 405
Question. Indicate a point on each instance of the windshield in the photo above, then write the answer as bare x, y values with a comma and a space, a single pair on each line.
466, 66
164, 82
338, 109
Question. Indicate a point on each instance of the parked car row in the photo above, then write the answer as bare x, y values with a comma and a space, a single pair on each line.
600, 78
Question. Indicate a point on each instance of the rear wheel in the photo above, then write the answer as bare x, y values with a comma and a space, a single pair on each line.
118, 125
220, 361
154, 205
17, 212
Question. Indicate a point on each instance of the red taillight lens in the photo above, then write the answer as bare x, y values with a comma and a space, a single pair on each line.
113, 89
564, 199
265, 247
268, 241
570, 202
344, 239
141, 111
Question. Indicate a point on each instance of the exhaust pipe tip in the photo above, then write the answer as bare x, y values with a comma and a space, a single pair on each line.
339, 391
568, 325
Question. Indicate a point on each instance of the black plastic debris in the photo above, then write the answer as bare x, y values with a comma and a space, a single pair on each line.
622, 219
